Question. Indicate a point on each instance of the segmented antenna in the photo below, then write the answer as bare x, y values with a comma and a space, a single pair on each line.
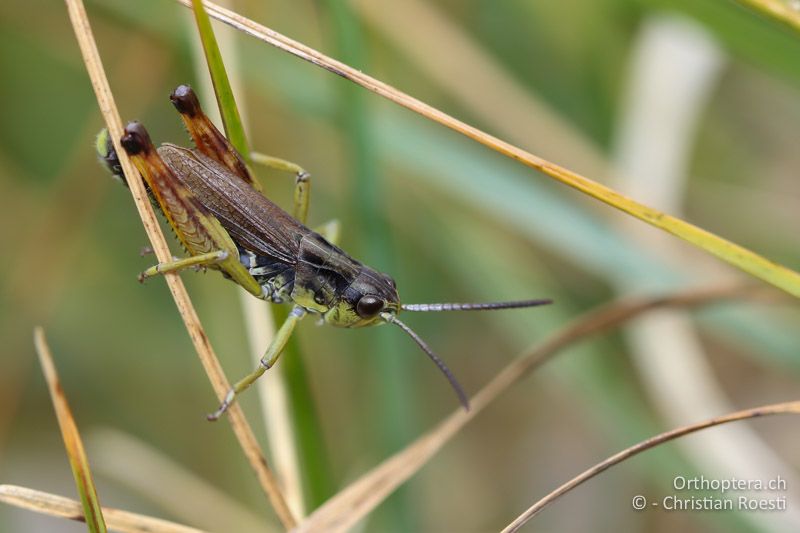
489, 306
462, 396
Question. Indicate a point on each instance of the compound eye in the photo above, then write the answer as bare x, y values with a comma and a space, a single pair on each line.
369, 306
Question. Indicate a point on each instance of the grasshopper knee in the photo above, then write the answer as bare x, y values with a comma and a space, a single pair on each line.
136, 140
185, 100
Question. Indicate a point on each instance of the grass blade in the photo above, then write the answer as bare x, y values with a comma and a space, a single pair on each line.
54, 505
464, 58
669, 356
316, 475
359, 498
241, 428
307, 428
234, 129
207, 505
367, 218
536, 508
782, 11
92, 513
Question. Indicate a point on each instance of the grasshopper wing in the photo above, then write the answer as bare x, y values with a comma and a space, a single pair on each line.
248, 216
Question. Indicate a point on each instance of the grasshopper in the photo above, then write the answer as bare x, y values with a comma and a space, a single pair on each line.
215, 207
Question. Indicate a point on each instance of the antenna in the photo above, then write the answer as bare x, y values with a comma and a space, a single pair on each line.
462, 396
489, 306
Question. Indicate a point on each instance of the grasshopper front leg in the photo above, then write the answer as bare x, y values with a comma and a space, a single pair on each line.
267, 361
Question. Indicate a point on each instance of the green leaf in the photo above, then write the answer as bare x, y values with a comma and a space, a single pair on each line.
231, 120
78, 461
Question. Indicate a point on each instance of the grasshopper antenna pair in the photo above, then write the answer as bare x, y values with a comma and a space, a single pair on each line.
225, 223
488, 306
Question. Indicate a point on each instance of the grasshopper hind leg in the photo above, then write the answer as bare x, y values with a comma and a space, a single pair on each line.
200, 233
212, 143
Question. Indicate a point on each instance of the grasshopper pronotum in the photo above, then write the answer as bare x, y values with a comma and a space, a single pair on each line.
224, 223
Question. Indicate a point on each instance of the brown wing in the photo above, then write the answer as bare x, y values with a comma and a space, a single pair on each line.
249, 217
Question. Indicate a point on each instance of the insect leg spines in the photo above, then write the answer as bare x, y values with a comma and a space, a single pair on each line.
197, 229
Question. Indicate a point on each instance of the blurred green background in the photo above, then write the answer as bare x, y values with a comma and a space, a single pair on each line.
450, 220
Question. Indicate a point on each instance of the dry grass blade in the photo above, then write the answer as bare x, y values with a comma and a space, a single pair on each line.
259, 322
362, 496
493, 95
783, 11
748, 261
92, 513
766, 410
54, 505
208, 506
258, 316
105, 100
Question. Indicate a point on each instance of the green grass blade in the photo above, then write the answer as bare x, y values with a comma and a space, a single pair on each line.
315, 468
780, 10
72, 439
367, 221
234, 129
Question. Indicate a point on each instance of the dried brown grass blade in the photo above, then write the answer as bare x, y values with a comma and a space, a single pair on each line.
179, 492
78, 462
359, 498
205, 352
536, 508
54, 505
448, 55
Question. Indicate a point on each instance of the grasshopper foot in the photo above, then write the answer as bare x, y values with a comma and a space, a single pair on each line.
226, 403
149, 273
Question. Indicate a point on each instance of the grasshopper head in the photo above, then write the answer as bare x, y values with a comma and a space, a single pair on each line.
370, 295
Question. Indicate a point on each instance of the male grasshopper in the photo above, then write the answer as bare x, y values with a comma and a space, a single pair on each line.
209, 198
